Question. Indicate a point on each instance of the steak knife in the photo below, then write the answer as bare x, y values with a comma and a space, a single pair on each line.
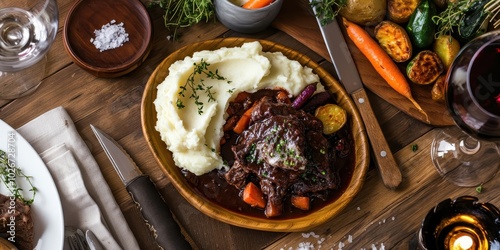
349, 77
154, 210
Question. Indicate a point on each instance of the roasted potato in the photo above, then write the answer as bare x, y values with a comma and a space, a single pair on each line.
424, 68
394, 40
333, 117
437, 92
447, 48
364, 12
401, 10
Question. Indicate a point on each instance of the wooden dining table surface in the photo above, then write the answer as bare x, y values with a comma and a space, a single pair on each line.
377, 216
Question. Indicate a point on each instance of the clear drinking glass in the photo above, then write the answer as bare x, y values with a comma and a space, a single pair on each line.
468, 155
27, 30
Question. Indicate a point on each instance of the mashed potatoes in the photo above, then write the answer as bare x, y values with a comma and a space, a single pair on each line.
193, 138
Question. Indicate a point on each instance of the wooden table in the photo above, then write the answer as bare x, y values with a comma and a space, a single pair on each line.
376, 216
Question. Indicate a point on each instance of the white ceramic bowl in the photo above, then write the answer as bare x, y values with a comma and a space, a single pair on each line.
244, 20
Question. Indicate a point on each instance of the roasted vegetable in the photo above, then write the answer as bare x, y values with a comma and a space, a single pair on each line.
424, 68
333, 117
394, 40
437, 92
446, 47
304, 96
364, 12
465, 19
420, 27
401, 10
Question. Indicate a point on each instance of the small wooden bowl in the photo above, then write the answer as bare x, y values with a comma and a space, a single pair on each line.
86, 16
167, 165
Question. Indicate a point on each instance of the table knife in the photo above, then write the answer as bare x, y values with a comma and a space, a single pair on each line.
349, 77
155, 211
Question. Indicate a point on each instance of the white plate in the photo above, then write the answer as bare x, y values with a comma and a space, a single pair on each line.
46, 209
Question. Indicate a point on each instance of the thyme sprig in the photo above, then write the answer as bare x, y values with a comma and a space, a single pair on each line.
199, 69
451, 17
327, 10
9, 173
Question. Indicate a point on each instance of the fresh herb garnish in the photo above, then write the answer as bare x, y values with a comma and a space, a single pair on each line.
327, 10
184, 13
200, 69
414, 147
479, 189
8, 174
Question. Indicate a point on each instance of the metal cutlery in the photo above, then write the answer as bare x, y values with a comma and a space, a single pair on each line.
155, 211
74, 239
349, 77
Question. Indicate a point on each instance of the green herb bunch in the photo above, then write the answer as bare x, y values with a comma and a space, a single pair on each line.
184, 13
7, 172
199, 69
327, 9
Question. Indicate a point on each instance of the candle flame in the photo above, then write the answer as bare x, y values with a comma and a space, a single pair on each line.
464, 242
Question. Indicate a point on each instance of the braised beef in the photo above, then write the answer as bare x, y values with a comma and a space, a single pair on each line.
286, 151
16, 222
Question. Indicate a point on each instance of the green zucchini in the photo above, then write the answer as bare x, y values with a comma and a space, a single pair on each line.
420, 27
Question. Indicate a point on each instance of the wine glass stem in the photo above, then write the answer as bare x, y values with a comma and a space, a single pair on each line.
469, 145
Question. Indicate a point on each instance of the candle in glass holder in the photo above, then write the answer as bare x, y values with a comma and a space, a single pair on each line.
461, 224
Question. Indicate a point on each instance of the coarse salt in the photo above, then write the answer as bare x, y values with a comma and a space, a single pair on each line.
110, 36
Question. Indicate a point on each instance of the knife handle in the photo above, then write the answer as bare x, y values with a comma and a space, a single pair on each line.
156, 213
385, 162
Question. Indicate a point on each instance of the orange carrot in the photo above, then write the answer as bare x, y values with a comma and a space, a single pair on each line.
244, 120
282, 96
381, 61
255, 4
301, 202
253, 196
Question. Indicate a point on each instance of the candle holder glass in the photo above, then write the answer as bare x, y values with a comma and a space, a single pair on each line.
463, 223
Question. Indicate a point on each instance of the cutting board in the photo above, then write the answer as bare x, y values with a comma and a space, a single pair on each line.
297, 20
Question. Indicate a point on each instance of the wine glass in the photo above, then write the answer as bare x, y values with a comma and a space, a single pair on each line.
468, 154
27, 30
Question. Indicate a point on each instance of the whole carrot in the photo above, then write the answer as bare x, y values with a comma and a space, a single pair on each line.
381, 61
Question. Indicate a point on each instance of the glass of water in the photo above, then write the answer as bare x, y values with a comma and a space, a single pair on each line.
27, 30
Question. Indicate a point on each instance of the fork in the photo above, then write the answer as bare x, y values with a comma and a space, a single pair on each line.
493, 8
75, 239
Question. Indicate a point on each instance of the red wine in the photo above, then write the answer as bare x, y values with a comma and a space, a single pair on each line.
473, 88
484, 78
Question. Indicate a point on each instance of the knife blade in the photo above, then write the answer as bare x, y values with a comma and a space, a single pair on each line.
349, 77
154, 210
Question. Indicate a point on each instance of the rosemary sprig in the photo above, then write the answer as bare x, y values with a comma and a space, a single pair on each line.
8, 175
199, 69
327, 10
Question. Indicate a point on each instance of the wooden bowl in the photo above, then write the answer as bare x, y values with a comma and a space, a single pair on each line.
164, 156
86, 16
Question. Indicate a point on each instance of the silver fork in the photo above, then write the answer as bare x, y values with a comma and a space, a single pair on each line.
74, 239
493, 8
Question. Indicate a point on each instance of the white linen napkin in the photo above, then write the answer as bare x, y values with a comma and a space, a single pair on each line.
86, 198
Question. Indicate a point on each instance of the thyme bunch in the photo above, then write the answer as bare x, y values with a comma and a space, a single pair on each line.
327, 10
8, 175
184, 13
199, 69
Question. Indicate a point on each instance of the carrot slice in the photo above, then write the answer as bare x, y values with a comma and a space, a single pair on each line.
381, 61
301, 202
255, 4
253, 196
244, 120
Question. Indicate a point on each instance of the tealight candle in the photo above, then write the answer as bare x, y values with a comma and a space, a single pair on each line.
462, 242
461, 224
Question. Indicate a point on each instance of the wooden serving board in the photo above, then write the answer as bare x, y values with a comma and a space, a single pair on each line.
297, 20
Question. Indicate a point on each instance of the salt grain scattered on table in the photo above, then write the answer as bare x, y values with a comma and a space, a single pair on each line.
110, 36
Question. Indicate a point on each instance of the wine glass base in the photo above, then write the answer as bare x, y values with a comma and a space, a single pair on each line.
464, 168
23, 82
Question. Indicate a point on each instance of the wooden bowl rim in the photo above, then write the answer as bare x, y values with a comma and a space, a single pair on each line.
130, 64
222, 214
